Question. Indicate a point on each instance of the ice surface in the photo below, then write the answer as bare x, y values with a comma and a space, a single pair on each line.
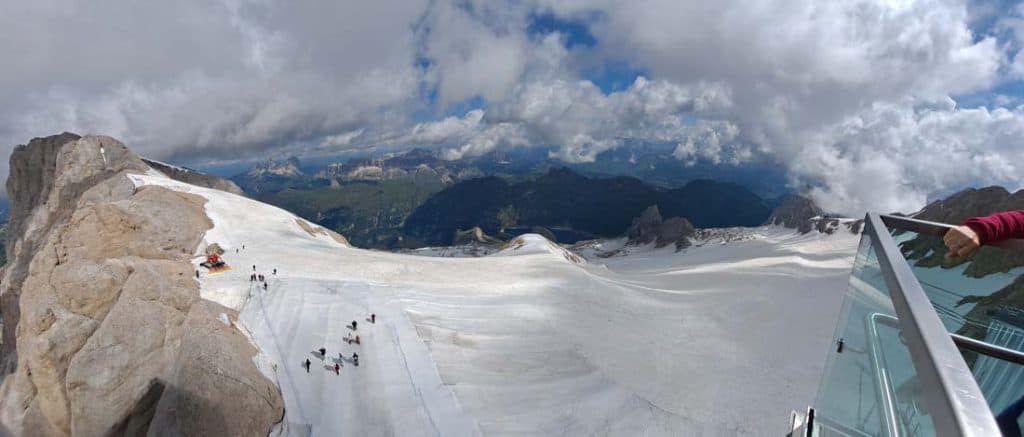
723, 339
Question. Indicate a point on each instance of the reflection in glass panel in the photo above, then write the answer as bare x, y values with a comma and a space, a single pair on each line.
979, 297
870, 387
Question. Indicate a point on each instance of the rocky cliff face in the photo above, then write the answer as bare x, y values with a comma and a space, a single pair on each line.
104, 329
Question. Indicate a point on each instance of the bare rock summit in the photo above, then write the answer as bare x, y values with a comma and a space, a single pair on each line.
104, 329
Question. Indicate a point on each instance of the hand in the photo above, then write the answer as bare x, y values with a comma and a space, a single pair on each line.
962, 241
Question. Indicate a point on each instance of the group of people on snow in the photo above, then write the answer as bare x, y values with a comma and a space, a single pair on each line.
341, 357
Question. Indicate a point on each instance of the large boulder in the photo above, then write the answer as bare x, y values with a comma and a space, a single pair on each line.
104, 328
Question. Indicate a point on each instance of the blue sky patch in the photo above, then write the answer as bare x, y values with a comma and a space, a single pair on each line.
577, 33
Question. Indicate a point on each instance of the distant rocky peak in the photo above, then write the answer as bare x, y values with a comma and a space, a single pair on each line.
802, 214
796, 212
650, 228
284, 167
971, 202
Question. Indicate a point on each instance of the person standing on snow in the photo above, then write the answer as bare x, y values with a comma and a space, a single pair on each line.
323, 352
353, 325
275, 272
373, 318
337, 369
307, 363
355, 359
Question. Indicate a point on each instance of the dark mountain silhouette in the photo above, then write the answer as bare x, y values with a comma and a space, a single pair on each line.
562, 198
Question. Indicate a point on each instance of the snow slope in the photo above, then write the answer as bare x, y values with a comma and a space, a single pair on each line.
716, 340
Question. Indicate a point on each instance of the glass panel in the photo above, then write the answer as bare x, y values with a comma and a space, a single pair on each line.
870, 387
979, 297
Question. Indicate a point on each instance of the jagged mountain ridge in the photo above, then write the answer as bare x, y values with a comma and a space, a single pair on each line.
563, 199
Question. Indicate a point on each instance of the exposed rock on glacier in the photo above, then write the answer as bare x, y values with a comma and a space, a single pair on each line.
104, 328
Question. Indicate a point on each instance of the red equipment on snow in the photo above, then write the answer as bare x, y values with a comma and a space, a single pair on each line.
214, 263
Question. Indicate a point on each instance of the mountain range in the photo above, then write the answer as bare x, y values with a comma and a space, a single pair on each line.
415, 199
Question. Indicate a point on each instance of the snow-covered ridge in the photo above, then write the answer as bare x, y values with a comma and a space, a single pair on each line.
528, 244
715, 340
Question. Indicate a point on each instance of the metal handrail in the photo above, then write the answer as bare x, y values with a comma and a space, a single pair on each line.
986, 348
886, 398
940, 229
955, 402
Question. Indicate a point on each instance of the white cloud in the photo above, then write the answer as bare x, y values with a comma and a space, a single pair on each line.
895, 156
853, 96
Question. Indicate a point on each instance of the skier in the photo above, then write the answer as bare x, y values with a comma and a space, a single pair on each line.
353, 325
264, 286
357, 340
307, 363
373, 318
197, 274
355, 359
254, 267
275, 271
337, 369
323, 352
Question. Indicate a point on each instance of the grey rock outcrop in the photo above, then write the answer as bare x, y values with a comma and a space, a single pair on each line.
193, 177
645, 228
795, 212
104, 328
650, 227
972, 202
675, 230
286, 167
475, 236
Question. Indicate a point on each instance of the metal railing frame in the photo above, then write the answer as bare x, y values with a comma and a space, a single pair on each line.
939, 230
955, 402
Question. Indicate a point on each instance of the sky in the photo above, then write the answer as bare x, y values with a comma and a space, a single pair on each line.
874, 105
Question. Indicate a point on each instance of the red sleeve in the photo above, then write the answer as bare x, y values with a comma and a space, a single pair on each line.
998, 227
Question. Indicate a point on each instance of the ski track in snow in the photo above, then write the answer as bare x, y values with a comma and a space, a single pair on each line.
717, 340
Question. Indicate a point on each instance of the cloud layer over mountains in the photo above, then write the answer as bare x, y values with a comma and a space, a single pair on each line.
869, 104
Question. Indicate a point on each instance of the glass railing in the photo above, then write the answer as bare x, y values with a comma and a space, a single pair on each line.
870, 386
894, 369
979, 298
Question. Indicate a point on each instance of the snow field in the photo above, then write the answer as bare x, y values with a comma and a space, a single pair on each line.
716, 340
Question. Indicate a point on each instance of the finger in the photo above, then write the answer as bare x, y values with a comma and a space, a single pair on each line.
964, 251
